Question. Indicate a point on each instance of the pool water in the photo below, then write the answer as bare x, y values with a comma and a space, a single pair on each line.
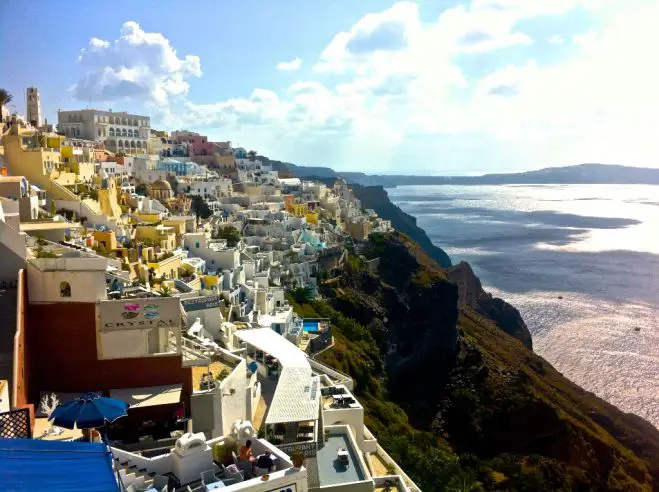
311, 326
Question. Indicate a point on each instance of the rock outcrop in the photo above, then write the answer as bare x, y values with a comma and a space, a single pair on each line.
471, 293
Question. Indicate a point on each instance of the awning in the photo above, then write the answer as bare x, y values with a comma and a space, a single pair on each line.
32, 464
148, 396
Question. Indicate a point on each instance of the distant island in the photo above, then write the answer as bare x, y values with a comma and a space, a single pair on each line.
578, 174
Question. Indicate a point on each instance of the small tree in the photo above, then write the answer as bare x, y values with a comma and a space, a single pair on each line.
5, 98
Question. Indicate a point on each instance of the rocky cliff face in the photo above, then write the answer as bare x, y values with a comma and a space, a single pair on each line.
471, 293
376, 197
499, 416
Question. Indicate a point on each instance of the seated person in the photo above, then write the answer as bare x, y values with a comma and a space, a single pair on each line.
265, 462
246, 451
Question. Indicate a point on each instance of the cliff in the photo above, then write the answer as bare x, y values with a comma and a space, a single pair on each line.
471, 293
376, 197
456, 399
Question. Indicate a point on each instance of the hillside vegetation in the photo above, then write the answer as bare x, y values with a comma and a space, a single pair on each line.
459, 402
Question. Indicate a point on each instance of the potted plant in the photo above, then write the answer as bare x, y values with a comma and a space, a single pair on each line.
297, 457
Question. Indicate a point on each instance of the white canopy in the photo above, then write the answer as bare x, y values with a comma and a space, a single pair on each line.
297, 395
148, 396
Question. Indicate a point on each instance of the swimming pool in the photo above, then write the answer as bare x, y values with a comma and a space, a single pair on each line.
311, 325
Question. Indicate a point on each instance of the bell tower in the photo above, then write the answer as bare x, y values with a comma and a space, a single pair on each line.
33, 106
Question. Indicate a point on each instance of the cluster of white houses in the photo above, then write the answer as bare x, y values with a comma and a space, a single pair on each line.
131, 288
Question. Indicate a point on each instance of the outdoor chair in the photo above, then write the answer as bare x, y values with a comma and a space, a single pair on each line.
232, 480
208, 477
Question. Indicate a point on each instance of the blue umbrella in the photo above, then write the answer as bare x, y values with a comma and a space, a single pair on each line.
89, 411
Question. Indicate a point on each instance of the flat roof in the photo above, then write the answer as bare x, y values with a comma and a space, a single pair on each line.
149, 395
330, 470
48, 226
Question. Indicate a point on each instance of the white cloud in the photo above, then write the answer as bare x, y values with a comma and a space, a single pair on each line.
556, 39
398, 78
138, 64
290, 66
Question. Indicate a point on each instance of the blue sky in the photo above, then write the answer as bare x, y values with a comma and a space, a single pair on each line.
427, 87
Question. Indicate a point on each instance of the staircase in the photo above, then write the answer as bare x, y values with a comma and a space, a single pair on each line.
131, 475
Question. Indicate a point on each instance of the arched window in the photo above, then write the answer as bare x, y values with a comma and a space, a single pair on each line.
64, 289
121, 143
111, 132
99, 132
132, 143
111, 120
139, 144
126, 144
134, 122
124, 133
123, 121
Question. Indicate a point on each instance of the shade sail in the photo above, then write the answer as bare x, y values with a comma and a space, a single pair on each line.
31, 465
149, 396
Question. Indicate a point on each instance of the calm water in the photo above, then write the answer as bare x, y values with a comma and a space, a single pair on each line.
597, 246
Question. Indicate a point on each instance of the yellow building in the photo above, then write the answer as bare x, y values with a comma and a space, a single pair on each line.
312, 218
157, 235
298, 209
24, 156
167, 267
148, 218
105, 239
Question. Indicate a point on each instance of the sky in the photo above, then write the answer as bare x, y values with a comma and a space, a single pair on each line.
433, 87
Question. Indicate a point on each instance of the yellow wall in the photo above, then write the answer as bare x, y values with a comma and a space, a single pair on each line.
299, 209
150, 218
312, 218
211, 280
108, 237
108, 202
169, 267
163, 238
178, 225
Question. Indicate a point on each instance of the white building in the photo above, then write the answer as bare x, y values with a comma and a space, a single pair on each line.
215, 252
121, 132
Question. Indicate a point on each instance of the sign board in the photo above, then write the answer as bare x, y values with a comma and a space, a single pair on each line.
135, 314
199, 303
285, 488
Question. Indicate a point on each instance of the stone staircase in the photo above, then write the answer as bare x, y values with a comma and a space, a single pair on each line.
131, 475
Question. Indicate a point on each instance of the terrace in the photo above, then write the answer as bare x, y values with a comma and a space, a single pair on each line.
339, 460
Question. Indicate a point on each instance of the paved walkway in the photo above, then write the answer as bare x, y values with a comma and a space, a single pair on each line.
377, 465
259, 416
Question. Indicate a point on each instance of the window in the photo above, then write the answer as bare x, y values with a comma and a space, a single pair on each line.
111, 120
212, 262
64, 289
197, 244
111, 132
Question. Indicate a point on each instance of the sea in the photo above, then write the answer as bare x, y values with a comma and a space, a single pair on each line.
580, 262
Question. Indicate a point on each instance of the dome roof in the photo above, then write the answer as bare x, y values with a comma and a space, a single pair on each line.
161, 184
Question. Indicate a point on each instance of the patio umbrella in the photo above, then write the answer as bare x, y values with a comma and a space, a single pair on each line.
89, 411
